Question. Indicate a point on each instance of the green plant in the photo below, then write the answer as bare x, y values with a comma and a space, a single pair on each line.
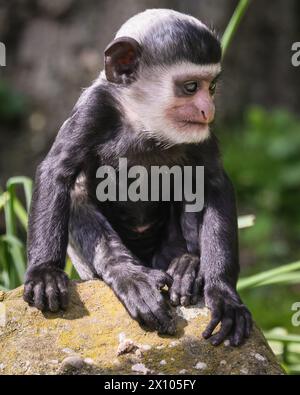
12, 246
285, 345
13, 241
233, 24
263, 163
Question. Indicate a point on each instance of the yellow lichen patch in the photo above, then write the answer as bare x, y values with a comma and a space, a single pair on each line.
90, 332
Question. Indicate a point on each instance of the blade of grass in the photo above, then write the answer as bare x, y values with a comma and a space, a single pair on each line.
246, 221
20, 213
3, 199
284, 278
13, 252
4, 267
252, 281
17, 250
27, 185
17, 262
233, 24
68, 267
288, 338
70, 270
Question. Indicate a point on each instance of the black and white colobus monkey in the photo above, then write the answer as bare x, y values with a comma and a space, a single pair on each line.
152, 104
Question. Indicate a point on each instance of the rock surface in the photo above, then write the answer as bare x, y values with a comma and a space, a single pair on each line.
96, 336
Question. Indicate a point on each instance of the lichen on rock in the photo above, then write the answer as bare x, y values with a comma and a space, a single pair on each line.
97, 336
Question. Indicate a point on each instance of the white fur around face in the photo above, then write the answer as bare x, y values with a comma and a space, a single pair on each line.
145, 102
137, 26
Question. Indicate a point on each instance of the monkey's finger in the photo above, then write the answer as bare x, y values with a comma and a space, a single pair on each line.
165, 320
185, 300
156, 315
178, 267
162, 279
186, 291
175, 291
196, 290
172, 267
62, 283
39, 296
174, 297
238, 334
226, 327
216, 318
51, 292
187, 283
154, 301
28, 293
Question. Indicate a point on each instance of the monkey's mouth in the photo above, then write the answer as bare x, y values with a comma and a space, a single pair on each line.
190, 123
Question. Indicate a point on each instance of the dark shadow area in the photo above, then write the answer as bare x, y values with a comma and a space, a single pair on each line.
76, 308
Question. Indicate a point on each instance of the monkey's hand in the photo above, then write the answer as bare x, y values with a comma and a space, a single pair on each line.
226, 308
46, 287
140, 292
187, 285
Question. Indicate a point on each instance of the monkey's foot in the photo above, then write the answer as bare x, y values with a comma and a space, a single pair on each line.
140, 293
46, 287
187, 284
228, 310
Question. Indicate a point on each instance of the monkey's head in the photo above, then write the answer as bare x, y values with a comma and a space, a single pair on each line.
164, 66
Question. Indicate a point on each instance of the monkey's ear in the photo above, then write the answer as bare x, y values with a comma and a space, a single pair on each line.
121, 60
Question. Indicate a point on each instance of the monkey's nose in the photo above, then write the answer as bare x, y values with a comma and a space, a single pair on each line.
206, 111
204, 106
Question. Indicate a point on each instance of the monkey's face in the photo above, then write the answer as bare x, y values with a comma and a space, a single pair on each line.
174, 103
164, 65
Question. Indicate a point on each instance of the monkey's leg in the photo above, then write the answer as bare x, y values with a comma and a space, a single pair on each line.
137, 287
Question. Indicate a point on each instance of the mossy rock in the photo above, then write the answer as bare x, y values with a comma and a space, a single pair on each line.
97, 336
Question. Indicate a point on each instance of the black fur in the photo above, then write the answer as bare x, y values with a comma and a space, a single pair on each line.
180, 41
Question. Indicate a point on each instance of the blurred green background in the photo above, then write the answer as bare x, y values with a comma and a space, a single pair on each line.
54, 48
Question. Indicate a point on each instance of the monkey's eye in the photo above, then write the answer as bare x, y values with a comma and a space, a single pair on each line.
190, 87
212, 88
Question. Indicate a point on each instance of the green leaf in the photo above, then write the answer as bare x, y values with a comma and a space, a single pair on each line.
27, 185
3, 199
288, 338
246, 221
258, 279
17, 250
20, 213
233, 24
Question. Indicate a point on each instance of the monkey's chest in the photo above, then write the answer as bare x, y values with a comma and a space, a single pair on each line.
140, 225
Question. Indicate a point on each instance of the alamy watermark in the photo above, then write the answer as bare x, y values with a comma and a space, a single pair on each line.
156, 183
2, 54
296, 316
296, 55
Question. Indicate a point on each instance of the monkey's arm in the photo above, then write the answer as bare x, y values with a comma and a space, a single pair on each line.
45, 281
220, 267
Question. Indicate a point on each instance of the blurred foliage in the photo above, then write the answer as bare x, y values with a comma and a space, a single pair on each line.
12, 104
262, 157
